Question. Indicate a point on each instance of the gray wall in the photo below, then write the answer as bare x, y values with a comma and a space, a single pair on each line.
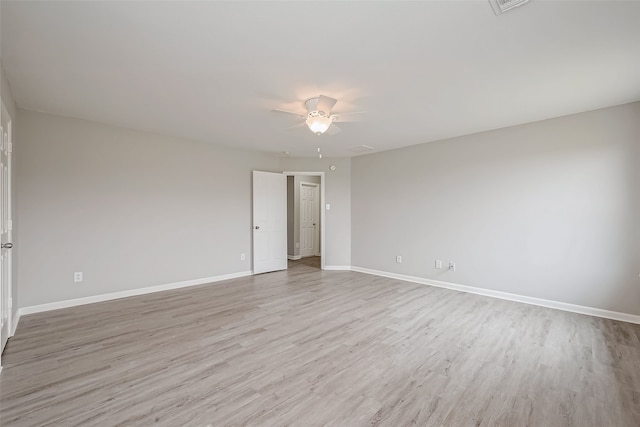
548, 209
5, 92
129, 209
338, 194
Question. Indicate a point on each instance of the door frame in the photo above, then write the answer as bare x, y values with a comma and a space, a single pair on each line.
316, 236
323, 226
5, 112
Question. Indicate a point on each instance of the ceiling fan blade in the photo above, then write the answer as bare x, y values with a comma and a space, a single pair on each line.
333, 129
275, 110
356, 116
298, 126
325, 104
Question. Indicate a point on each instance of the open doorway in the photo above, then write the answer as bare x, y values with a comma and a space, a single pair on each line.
305, 219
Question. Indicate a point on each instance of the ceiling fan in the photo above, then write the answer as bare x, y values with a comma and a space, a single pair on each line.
319, 118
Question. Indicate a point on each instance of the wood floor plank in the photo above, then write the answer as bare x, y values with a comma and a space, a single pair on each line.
311, 348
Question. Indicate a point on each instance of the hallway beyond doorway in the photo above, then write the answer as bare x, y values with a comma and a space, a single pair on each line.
310, 261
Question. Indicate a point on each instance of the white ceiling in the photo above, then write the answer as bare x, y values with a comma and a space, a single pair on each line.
424, 71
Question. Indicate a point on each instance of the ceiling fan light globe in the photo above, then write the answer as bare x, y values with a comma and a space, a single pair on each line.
318, 124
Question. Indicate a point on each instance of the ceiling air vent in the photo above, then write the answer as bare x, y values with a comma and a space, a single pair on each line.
360, 149
501, 6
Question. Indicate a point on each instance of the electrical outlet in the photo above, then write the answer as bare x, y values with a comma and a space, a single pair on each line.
297, 245
242, 257
399, 259
77, 276
438, 263
452, 266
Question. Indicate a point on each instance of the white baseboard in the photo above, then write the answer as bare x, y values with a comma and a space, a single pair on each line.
591, 311
14, 323
294, 257
129, 293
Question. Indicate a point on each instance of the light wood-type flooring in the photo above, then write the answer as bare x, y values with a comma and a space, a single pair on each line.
307, 347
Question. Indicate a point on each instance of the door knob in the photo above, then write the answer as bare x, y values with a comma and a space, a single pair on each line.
7, 245
257, 227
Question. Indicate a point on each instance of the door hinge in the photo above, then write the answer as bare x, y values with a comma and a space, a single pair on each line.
10, 225
11, 147
10, 302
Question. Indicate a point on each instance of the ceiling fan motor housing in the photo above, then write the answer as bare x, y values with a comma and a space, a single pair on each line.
311, 104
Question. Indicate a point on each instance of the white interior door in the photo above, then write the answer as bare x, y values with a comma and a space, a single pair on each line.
5, 227
269, 222
309, 223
